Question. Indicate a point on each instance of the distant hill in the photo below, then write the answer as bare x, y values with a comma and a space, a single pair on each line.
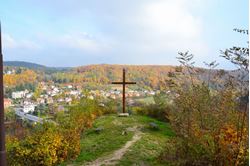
24, 64
34, 66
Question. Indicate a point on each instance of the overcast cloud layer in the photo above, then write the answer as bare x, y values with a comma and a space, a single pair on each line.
78, 32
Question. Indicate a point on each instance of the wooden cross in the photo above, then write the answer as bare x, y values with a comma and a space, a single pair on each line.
123, 89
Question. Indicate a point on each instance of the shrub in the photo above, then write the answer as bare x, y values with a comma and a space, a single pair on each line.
211, 125
52, 143
46, 147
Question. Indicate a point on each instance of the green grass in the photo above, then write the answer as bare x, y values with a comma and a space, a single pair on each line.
146, 150
95, 145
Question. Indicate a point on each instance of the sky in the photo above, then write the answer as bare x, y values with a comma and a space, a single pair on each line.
69, 33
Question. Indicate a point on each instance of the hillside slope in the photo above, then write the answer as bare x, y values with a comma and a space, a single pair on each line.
154, 76
23, 64
146, 76
123, 141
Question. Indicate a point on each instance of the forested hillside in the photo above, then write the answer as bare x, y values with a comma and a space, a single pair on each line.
146, 76
33, 66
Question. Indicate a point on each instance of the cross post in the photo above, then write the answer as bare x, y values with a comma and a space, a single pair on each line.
123, 88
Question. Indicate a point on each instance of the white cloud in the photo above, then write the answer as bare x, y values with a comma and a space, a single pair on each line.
80, 41
150, 30
167, 25
10, 43
171, 19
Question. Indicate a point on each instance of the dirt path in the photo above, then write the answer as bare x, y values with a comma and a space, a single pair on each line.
117, 155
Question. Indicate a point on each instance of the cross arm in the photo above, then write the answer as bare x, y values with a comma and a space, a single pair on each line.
123, 82
117, 82
130, 82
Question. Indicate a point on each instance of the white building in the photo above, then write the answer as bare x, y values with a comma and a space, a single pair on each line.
151, 93
56, 90
29, 95
137, 94
18, 94
75, 92
29, 108
107, 94
68, 99
69, 86
60, 100
26, 102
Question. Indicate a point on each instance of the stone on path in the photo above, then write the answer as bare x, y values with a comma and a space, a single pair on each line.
124, 133
153, 125
123, 114
99, 129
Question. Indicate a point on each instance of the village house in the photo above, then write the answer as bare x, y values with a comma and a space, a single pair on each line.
60, 100
56, 90
137, 94
69, 86
18, 94
75, 92
7, 102
26, 102
29, 95
68, 100
107, 94
29, 108
167, 92
151, 93
10, 72
112, 96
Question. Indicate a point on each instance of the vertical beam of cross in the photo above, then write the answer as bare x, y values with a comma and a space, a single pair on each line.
123, 89
2, 128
